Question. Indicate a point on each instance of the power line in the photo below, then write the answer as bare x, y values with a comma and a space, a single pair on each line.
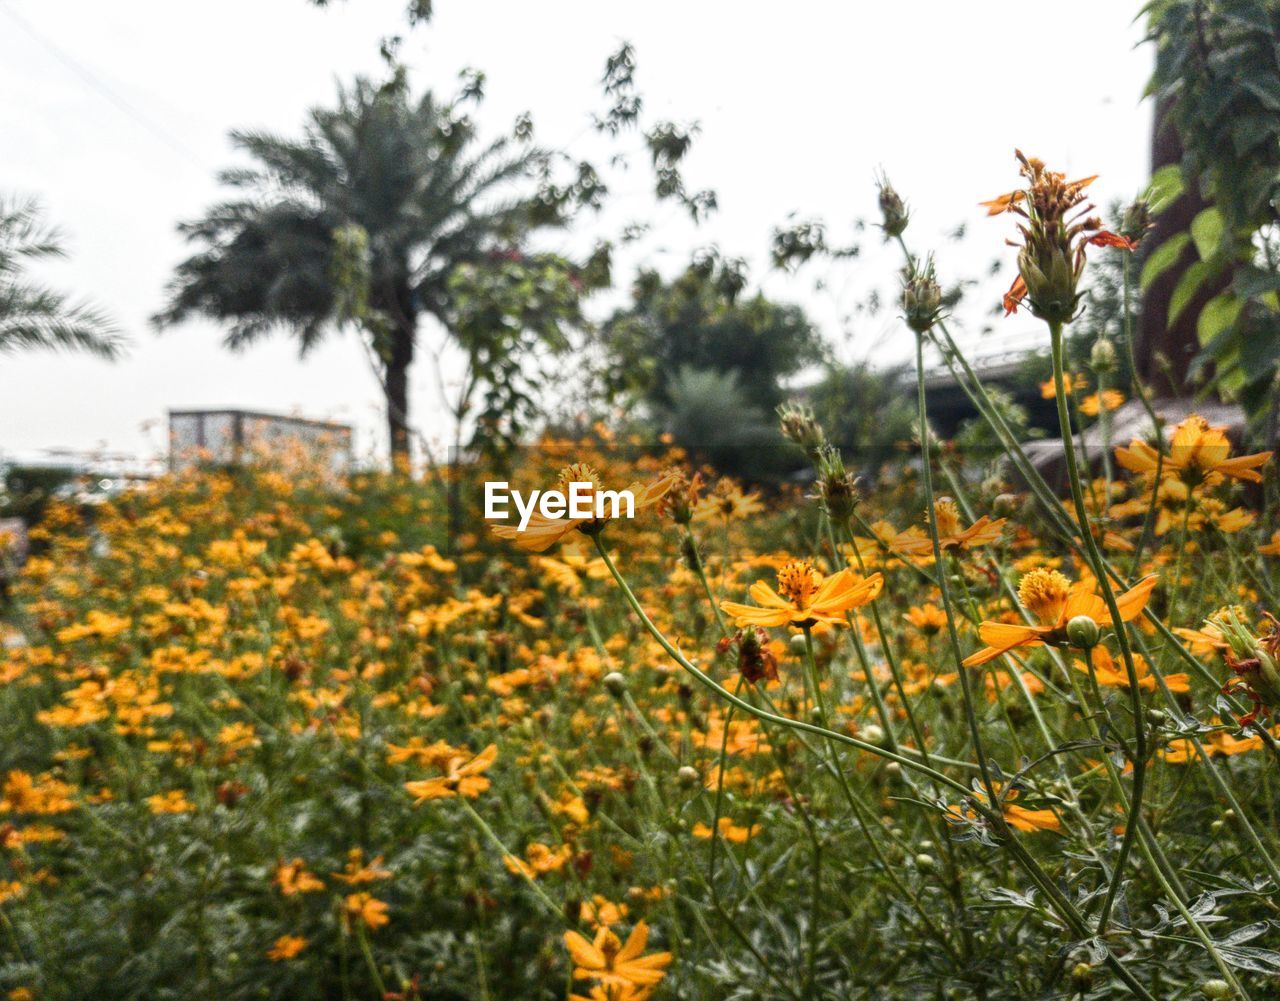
100, 86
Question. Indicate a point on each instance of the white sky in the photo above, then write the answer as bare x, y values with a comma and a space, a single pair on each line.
799, 104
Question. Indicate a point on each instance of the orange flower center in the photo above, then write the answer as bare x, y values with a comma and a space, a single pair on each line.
579, 472
797, 582
948, 517
1044, 592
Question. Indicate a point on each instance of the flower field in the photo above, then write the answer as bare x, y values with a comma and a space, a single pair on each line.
265, 740
952, 733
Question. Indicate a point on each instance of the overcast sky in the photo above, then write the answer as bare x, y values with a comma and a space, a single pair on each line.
116, 115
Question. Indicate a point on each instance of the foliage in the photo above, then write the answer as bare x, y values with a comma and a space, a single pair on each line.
33, 316
511, 316
1218, 71
868, 412
702, 320
710, 415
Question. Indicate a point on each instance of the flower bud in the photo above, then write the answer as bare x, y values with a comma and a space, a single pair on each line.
871, 733
688, 777
1216, 990
1006, 504
1083, 632
921, 297
1082, 975
1102, 357
893, 210
615, 684
837, 488
798, 645
800, 426
1136, 221
925, 862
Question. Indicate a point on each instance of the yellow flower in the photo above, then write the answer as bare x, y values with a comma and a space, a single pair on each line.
1111, 399
462, 777
1054, 602
1198, 454
1272, 548
367, 909
727, 502
293, 878
286, 947
928, 618
173, 801
543, 532
612, 964
728, 830
1017, 817
1113, 675
1070, 383
807, 597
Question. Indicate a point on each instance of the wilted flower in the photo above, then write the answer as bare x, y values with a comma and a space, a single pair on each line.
1057, 230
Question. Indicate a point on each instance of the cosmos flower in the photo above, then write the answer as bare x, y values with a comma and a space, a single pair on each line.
543, 532
286, 947
1058, 228
1197, 454
462, 777
1053, 602
607, 960
805, 597
1113, 675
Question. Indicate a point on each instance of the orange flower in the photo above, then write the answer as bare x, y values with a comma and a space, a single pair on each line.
1198, 454
1017, 817
928, 618
807, 597
1272, 548
728, 830
356, 872
286, 947
541, 860
462, 777
951, 534
1113, 675
1052, 253
367, 909
293, 878
543, 532
1054, 602
1111, 399
1070, 383
607, 960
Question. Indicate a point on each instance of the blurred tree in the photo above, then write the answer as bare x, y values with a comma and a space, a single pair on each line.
32, 315
868, 412
709, 414
364, 220
701, 321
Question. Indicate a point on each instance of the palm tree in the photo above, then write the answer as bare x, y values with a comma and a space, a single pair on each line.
32, 315
363, 221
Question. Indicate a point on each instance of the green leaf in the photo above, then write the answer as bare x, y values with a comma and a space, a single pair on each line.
1219, 314
1207, 229
1163, 258
1166, 185
1188, 285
